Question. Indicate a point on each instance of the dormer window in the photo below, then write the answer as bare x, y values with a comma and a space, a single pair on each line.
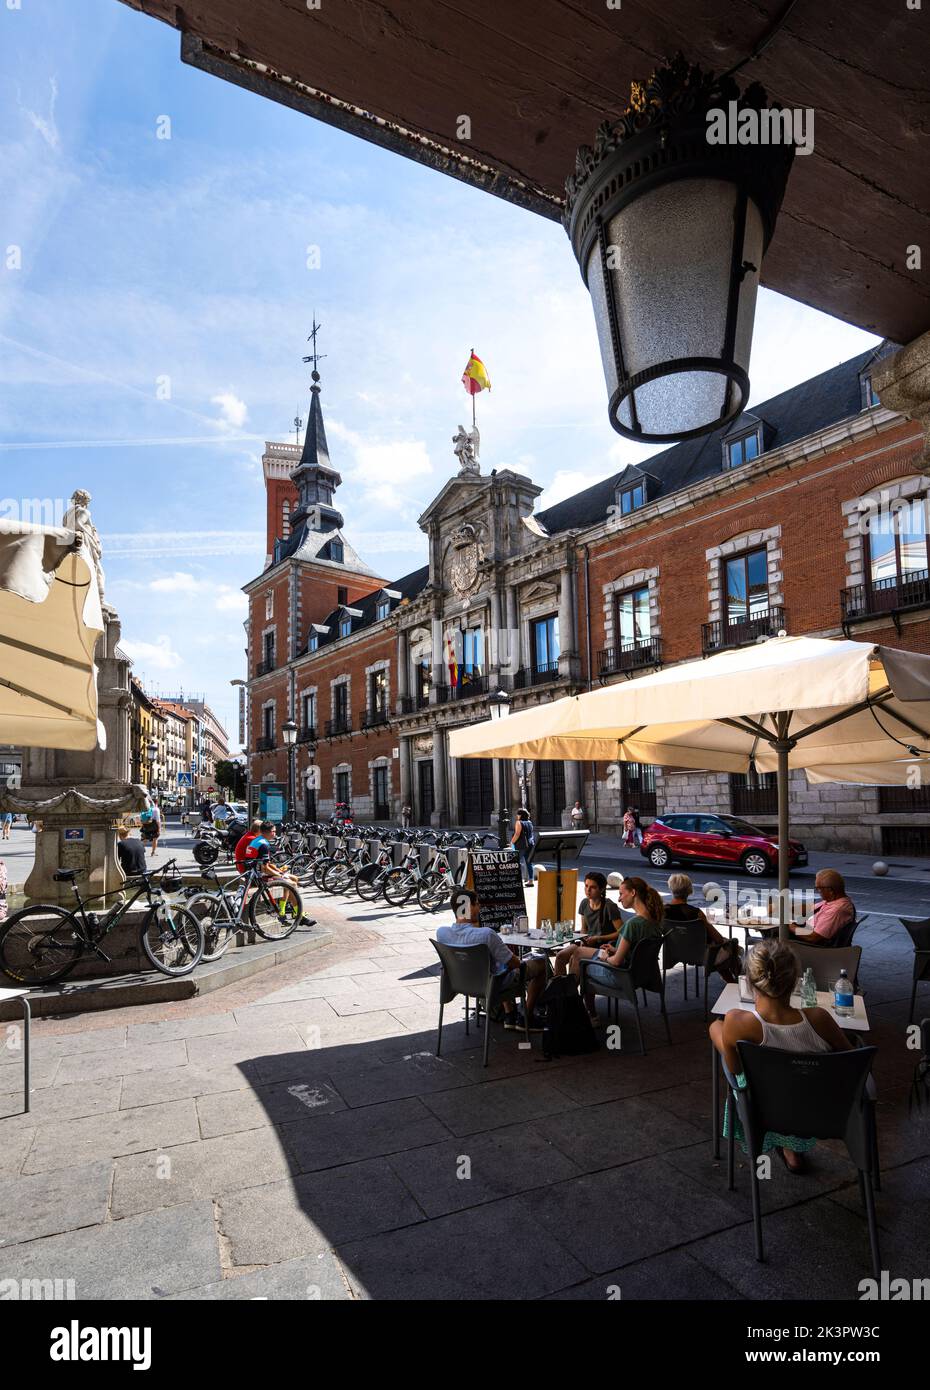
345, 627
869, 394
741, 450
383, 608
336, 551
631, 498
313, 641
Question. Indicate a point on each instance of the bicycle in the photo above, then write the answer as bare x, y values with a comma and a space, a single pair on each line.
43, 943
273, 906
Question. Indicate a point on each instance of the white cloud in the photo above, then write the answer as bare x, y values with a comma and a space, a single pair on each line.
231, 601
158, 655
383, 469
566, 483
177, 583
233, 411
46, 125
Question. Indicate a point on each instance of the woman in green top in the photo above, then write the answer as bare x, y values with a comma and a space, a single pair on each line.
646, 921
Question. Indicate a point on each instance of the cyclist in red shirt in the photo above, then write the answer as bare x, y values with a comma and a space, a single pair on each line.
242, 844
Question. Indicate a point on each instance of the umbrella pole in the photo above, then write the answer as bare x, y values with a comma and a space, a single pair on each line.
783, 746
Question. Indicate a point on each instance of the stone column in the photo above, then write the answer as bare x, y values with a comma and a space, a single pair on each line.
513, 657
406, 789
574, 791
403, 667
903, 384
439, 778
567, 639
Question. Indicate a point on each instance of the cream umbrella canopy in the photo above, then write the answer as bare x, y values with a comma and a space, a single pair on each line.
790, 702
50, 622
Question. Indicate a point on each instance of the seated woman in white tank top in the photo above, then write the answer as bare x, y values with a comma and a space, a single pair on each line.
772, 970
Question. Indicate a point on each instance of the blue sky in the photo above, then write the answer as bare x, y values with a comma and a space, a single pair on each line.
151, 340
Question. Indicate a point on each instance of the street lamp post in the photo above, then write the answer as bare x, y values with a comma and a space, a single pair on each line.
289, 735
152, 751
500, 708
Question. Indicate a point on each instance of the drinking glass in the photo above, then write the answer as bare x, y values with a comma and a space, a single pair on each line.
547, 928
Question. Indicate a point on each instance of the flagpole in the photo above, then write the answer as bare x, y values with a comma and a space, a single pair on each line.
474, 424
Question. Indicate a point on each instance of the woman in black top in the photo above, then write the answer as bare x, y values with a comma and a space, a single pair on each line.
679, 909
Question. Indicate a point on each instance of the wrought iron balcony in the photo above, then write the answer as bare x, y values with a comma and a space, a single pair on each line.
341, 724
885, 597
724, 634
265, 744
265, 666
629, 656
306, 734
409, 704
372, 716
536, 675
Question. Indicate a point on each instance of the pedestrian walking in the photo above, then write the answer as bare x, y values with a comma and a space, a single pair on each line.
523, 839
406, 816
629, 827
6, 825
637, 829
577, 816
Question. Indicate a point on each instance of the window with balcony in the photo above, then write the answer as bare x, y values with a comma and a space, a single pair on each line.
545, 645
746, 587
634, 644
308, 712
342, 787
472, 669
896, 550
341, 704
742, 450
376, 712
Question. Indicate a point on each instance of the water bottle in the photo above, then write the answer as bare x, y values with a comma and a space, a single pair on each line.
809, 989
843, 996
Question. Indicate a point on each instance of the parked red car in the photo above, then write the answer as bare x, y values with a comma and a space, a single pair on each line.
715, 840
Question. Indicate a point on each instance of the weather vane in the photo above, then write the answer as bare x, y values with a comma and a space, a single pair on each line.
315, 356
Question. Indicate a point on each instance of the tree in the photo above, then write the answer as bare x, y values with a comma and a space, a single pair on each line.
231, 777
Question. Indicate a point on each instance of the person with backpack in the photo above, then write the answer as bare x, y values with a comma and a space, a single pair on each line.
523, 840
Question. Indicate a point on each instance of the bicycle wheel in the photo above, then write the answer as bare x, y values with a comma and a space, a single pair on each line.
338, 877
38, 946
434, 891
369, 882
218, 927
276, 909
399, 887
172, 938
319, 869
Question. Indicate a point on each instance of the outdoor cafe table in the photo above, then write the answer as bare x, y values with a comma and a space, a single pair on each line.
765, 923
856, 1022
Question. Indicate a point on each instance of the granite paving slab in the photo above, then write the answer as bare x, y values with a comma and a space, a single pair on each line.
42, 1073
497, 1103
180, 1083
228, 1049
143, 1257
462, 1173
619, 1131
61, 1103
286, 1219
231, 1111
68, 1143
327, 1140
372, 1000
14, 1146
181, 1173
673, 1275
121, 1061
45, 1204
311, 1277
170, 1028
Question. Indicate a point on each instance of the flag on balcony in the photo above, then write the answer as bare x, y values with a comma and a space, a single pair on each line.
451, 659
475, 377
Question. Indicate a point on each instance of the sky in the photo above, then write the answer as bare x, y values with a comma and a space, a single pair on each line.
165, 240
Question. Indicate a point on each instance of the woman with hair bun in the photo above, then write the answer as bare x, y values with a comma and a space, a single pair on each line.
772, 970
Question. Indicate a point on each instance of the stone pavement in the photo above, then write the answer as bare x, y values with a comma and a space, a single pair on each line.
295, 1136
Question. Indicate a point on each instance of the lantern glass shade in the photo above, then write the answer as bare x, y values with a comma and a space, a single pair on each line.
289, 732
677, 271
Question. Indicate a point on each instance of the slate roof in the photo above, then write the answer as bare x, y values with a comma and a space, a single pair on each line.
408, 587
824, 400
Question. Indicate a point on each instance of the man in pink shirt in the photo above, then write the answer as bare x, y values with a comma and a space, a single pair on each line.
835, 912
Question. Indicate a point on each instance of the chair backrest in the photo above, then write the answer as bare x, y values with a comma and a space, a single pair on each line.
644, 964
684, 943
827, 962
918, 929
845, 934
812, 1094
465, 970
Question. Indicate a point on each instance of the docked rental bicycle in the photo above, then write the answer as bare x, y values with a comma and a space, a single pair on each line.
44, 942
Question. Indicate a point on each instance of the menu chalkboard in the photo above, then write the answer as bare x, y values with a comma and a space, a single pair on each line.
495, 876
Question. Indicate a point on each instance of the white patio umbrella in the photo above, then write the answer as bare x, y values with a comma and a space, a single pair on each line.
790, 702
50, 622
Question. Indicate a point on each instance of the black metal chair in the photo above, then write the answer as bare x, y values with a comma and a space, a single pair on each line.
919, 932
820, 1095
621, 982
469, 970
685, 943
827, 962
845, 934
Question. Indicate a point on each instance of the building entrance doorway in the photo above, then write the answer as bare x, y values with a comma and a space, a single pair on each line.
476, 790
550, 793
425, 803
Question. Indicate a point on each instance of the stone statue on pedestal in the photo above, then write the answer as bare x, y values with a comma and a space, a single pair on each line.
466, 447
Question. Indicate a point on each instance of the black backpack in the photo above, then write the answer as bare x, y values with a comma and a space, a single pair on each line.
567, 1031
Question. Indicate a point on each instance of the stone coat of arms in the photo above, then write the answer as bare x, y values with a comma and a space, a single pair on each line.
467, 555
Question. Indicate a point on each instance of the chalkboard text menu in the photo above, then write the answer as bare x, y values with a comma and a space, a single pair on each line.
496, 878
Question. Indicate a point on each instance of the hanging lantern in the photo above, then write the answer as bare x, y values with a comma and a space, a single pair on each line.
669, 218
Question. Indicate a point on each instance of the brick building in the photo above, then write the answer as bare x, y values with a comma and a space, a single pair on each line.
778, 522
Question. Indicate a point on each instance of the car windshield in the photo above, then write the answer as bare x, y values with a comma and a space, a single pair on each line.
742, 827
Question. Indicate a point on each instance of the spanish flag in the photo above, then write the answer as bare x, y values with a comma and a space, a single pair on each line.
450, 658
475, 377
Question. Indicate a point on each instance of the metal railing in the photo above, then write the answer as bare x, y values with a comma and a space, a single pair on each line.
373, 715
265, 744
536, 675
895, 595
264, 667
340, 724
631, 656
307, 734
724, 634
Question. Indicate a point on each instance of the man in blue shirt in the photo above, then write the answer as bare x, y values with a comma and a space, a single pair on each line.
465, 931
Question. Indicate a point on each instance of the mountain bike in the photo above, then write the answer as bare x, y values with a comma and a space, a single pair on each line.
44, 942
273, 906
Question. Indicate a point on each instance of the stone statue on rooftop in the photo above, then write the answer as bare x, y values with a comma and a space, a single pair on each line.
466, 447
77, 518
